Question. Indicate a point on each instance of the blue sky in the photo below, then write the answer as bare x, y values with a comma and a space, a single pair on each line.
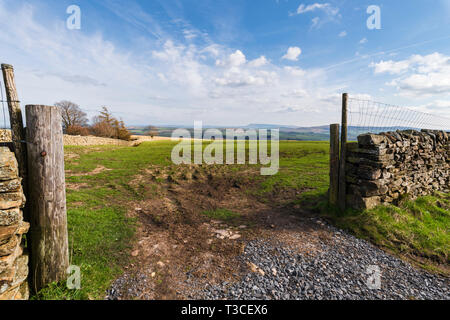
229, 62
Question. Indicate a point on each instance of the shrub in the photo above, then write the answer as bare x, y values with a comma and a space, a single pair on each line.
105, 125
76, 130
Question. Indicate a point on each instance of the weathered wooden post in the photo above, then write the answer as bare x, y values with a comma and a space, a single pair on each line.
342, 160
17, 129
47, 195
334, 164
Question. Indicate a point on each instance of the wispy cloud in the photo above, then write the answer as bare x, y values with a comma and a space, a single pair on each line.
134, 14
173, 82
330, 13
318, 6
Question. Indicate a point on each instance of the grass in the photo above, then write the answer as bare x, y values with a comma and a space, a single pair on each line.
304, 168
417, 229
221, 214
101, 234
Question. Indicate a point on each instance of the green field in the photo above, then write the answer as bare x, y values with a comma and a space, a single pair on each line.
102, 186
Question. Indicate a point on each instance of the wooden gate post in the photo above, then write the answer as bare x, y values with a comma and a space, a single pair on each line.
342, 160
334, 164
47, 195
15, 116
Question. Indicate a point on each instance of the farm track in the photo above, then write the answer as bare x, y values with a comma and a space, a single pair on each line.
271, 251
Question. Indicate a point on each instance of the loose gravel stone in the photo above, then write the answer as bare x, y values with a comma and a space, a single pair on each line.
341, 270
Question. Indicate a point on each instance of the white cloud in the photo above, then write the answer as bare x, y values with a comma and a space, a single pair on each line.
167, 82
439, 113
295, 71
343, 34
421, 75
213, 49
315, 22
318, 6
363, 41
292, 54
237, 58
190, 34
261, 61
390, 66
330, 13
233, 60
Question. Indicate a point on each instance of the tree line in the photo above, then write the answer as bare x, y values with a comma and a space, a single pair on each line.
75, 122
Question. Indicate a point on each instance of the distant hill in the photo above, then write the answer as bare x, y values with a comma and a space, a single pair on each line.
315, 133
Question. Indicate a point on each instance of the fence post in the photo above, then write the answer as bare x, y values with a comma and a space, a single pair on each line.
334, 164
342, 182
47, 197
15, 116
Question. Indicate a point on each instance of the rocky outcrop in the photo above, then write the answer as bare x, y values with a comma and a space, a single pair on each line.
381, 168
13, 256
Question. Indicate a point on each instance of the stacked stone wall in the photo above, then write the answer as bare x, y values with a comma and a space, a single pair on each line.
382, 168
13, 256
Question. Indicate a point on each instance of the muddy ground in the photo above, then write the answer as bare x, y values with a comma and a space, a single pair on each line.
180, 250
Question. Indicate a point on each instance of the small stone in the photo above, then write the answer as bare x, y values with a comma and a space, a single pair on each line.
11, 200
9, 217
135, 253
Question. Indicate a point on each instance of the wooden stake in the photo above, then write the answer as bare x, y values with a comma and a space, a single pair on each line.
334, 164
15, 116
342, 160
47, 197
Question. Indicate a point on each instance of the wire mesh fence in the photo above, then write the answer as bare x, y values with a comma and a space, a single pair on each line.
4, 114
365, 116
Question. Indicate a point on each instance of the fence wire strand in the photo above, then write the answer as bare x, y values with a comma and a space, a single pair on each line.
4, 111
365, 116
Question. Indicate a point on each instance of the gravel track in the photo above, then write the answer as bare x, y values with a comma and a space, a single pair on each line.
338, 271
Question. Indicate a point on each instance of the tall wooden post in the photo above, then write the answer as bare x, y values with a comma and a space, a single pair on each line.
17, 129
342, 160
334, 164
47, 196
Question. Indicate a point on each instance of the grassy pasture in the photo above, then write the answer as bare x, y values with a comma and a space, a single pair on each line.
101, 189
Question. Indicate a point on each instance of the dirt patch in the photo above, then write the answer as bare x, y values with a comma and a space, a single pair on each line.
97, 170
70, 156
77, 186
181, 250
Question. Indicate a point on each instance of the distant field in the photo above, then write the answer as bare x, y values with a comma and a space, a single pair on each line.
285, 134
105, 182
319, 133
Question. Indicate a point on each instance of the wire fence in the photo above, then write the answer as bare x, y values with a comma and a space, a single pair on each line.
365, 116
4, 120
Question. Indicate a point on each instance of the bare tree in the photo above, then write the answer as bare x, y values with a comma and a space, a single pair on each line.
72, 115
151, 131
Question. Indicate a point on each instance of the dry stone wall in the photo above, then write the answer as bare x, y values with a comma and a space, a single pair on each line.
381, 168
13, 258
